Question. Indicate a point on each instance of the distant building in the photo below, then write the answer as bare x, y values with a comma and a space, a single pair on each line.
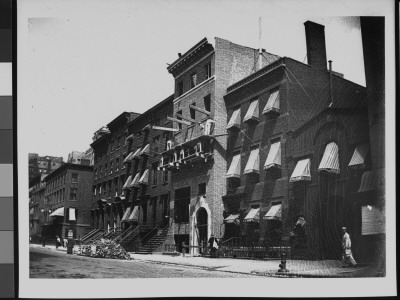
67, 198
81, 158
42, 164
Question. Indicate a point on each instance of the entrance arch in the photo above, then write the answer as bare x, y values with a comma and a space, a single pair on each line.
200, 224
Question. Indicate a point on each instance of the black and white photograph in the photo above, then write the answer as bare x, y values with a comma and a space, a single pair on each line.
163, 144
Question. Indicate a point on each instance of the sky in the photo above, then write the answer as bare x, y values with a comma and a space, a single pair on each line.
82, 63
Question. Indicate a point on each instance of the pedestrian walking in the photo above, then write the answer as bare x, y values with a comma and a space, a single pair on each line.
347, 256
299, 234
58, 241
65, 242
213, 243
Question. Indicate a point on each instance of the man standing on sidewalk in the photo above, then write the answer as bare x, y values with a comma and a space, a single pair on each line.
347, 257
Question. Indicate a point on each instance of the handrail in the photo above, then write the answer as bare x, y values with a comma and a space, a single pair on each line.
123, 234
137, 228
90, 234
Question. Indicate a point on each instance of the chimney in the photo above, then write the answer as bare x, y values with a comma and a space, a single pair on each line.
315, 40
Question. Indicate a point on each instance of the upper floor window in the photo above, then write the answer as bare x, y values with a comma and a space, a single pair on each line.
74, 177
179, 118
119, 142
193, 112
193, 80
111, 167
180, 88
154, 173
208, 70
105, 170
72, 195
112, 146
117, 164
207, 103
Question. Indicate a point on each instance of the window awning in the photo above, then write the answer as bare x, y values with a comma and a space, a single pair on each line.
301, 171
274, 156
136, 154
234, 168
134, 216
59, 212
330, 159
130, 137
372, 180
128, 158
234, 120
72, 215
145, 177
135, 181
127, 183
126, 215
273, 103
253, 215
253, 164
145, 150
31, 211
274, 213
372, 220
359, 156
232, 219
253, 112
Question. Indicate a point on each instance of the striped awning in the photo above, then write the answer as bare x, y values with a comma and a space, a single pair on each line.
253, 164
274, 213
130, 137
330, 159
301, 171
274, 156
253, 215
145, 150
273, 103
127, 183
234, 168
232, 219
145, 177
126, 215
372, 220
134, 216
359, 156
253, 112
234, 120
128, 158
59, 212
136, 154
372, 180
135, 181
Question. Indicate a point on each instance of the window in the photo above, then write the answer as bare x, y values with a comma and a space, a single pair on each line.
154, 173
72, 195
112, 146
125, 137
193, 112
123, 158
207, 103
111, 167
179, 118
165, 176
117, 165
74, 177
105, 170
180, 88
193, 80
202, 189
109, 187
182, 202
94, 191
104, 188
101, 172
155, 144
119, 142
207, 68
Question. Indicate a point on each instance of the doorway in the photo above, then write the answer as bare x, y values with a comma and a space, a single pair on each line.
202, 226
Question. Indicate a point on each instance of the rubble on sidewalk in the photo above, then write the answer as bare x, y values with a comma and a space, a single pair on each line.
105, 248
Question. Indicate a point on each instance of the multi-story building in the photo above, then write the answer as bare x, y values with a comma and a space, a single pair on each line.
109, 149
83, 158
43, 164
67, 200
36, 212
196, 153
293, 129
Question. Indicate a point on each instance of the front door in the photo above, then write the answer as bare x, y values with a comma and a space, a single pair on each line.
201, 226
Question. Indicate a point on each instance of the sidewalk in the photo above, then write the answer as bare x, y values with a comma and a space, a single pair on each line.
297, 268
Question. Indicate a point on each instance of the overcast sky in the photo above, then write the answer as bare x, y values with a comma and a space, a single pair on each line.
82, 63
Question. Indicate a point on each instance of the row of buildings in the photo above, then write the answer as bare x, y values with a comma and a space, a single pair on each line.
248, 142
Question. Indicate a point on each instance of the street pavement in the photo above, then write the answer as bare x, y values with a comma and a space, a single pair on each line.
296, 268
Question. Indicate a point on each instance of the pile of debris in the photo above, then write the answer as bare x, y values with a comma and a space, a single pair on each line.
106, 248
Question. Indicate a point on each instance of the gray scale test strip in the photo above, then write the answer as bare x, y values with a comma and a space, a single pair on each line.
7, 284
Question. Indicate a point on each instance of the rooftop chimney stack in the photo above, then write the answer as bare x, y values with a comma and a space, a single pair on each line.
315, 40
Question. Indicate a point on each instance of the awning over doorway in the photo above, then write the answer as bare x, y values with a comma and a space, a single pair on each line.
273, 103
372, 220
274, 213
126, 215
253, 215
234, 120
134, 216
232, 219
253, 164
330, 159
59, 212
274, 156
301, 171
359, 156
372, 180
234, 168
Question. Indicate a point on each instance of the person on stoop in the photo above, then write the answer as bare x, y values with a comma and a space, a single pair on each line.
347, 256
212, 242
